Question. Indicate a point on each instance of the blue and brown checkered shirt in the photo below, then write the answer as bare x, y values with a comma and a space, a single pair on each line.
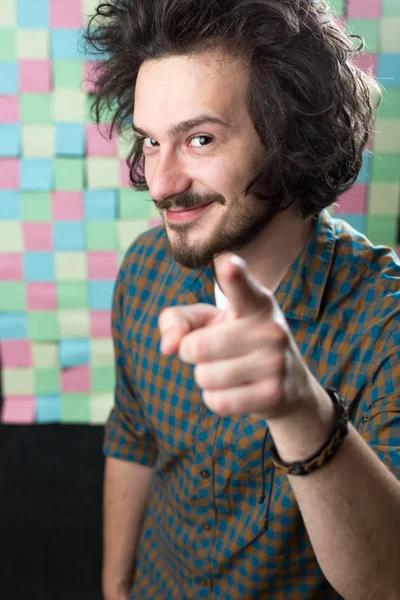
203, 534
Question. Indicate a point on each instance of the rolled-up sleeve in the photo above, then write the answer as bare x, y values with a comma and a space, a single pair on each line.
127, 436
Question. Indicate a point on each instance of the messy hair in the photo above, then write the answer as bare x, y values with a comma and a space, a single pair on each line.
311, 107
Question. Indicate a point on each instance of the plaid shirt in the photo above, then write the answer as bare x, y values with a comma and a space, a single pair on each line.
203, 534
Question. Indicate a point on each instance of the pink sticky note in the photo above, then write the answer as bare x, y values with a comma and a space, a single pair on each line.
102, 265
34, 76
364, 9
366, 62
100, 324
9, 173
67, 15
156, 222
41, 296
16, 353
9, 109
98, 142
89, 76
67, 206
76, 379
125, 181
37, 236
354, 201
19, 410
11, 267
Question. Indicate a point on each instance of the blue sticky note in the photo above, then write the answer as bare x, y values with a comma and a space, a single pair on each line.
10, 205
356, 221
37, 174
33, 14
364, 174
389, 69
13, 326
100, 205
8, 78
74, 353
48, 408
69, 235
39, 266
100, 294
65, 45
10, 140
70, 139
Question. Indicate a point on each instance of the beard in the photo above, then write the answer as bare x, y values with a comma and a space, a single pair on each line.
244, 221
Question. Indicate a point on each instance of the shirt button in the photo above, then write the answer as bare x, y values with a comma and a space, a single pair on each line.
203, 581
206, 526
205, 473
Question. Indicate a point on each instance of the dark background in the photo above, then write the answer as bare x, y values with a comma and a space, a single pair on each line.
50, 511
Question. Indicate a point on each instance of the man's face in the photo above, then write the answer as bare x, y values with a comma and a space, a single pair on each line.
200, 147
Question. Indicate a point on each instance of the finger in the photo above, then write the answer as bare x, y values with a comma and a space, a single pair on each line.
231, 339
177, 321
246, 296
242, 370
255, 398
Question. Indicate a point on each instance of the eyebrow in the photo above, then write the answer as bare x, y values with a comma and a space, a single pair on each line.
186, 126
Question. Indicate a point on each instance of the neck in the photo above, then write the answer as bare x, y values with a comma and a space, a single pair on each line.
273, 252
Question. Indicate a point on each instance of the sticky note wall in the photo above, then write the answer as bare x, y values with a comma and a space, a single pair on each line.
67, 214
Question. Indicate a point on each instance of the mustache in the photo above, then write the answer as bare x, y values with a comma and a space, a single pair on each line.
188, 200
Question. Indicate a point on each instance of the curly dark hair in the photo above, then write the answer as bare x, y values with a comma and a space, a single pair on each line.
312, 108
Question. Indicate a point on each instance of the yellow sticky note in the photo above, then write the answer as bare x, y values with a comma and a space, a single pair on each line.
38, 141
69, 105
45, 355
100, 408
11, 236
89, 6
130, 230
74, 323
32, 43
18, 382
102, 172
8, 13
387, 136
102, 351
71, 266
125, 144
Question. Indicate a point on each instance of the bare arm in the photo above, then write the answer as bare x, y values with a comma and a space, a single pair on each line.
126, 491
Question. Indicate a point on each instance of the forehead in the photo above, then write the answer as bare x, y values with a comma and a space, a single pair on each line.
176, 88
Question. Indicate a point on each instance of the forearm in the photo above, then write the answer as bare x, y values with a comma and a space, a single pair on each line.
126, 491
350, 507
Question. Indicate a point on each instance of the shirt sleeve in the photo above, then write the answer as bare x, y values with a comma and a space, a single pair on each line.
127, 436
380, 420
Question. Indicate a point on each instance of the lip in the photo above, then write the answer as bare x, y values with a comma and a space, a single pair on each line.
179, 216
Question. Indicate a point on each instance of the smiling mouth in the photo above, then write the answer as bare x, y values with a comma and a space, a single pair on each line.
189, 209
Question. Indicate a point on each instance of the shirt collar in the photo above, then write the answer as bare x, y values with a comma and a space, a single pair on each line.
300, 292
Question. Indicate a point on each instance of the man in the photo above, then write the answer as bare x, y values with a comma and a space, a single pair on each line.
251, 323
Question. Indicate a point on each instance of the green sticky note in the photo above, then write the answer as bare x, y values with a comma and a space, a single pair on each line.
101, 235
100, 408
103, 379
67, 73
8, 13
33, 43
387, 135
8, 45
69, 174
42, 326
337, 7
72, 294
390, 34
47, 381
69, 105
391, 8
71, 266
381, 230
134, 204
102, 172
37, 109
74, 323
384, 199
45, 354
390, 105
18, 382
75, 408
35, 206
102, 352
385, 168
130, 230
38, 141
12, 296
11, 236
368, 29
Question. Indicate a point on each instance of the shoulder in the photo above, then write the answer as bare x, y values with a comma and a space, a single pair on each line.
148, 249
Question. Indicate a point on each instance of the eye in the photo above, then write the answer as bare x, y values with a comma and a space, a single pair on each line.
149, 142
199, 141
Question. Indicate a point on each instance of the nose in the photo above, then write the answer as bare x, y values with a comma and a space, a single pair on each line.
166, 176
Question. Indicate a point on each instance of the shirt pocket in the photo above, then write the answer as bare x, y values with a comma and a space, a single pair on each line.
249, 438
